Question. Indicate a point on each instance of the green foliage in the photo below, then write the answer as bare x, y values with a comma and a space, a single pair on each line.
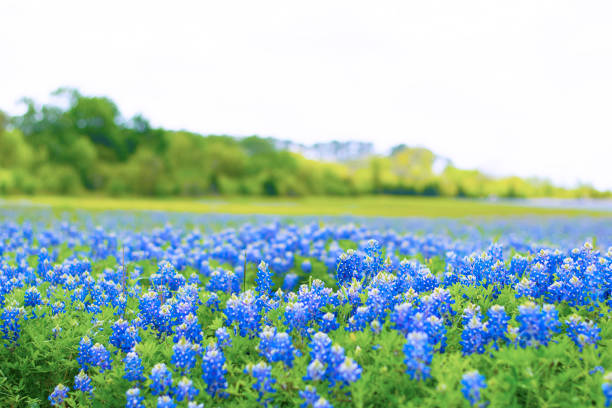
553, 376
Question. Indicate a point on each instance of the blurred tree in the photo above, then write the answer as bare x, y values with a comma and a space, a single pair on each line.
84, 142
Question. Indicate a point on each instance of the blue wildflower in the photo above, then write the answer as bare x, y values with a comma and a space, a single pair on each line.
10, 325
312, 399
262, 373
223, 337
184, 357
472, 383
58, 395
134, 400
474, 337
349, 371
497, 325
82, 382
263, 279
99, 357
83, 356
290, 281
535, 324
133, 367
419, 354
315, 371
276, 346
124, 336
165, 401
185, 390
296, 315
213, 371
581, 332
161, 379
190, 329
245, 310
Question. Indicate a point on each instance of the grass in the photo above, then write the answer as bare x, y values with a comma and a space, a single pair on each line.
389, 206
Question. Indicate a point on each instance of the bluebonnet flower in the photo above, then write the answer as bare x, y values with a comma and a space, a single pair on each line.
58, 395
551, 318
434, 327
82, 382
124, 336
99, 357
606, 387
349, 371
83, 357
376, 304
349, 267
360, 319
469, 312
184, 357
245, 310
223, 337
581, 332
163, 322
309, 395
374, 258
306, 266
336, 358
315, 371
263, 280
497, 325
133, 367
440, 303
262, 373
32, 297
320, 347
165, 401
134, 400
312, 399
161, 379
190, 329
276, 346
472, 383
296, 315
322, 403
401, 318
375, 326
213, 301
419, 354
185, 390
148, 308
58, 308
225, 281
193, 404
213, 371
329, 362
290, 281
10, 325
474, 337
535, 325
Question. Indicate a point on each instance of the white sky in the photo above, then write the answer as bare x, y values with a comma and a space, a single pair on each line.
509, 87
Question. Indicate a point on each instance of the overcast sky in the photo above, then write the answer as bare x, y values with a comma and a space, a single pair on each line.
509, 87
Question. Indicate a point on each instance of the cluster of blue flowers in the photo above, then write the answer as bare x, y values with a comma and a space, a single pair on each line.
472, 382
290, 295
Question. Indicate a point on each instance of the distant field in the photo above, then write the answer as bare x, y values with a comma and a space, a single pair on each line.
362, 206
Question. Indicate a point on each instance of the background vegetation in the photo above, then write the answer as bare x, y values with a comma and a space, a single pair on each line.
83, 144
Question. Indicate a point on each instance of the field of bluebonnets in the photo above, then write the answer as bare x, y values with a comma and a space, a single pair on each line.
165, 310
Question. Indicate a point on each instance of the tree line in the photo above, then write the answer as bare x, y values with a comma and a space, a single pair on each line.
84, 144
